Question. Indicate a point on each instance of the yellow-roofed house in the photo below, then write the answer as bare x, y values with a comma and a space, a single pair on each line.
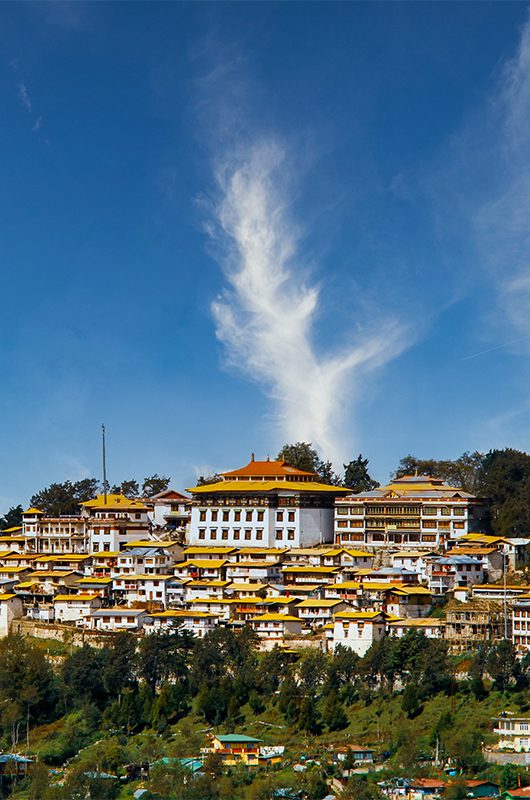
357, 630
114, 521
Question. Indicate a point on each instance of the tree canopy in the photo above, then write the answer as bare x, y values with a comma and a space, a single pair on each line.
64, 498
357, 477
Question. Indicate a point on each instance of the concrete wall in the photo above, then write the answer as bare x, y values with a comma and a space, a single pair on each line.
61, 633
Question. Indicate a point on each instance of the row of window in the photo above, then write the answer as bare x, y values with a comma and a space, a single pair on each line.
428, 511
249, 515
236, 534
248, 534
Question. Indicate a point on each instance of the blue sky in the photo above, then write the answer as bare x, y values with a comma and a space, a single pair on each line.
226, 226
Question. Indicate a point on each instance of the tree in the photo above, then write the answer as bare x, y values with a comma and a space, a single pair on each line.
410, 700
164, 656
456, 790
83, 674
308, 717
326, 473
360, 789
59, 499
129, 488
357, 477
11, 518
119, 670
334, 715
502, 665
300, 455
505, 480
463, 472
204, 480
154, 485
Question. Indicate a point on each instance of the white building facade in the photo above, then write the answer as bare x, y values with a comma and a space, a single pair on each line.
413, 511
265, 504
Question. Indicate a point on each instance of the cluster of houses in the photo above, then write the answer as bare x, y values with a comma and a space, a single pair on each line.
302, 562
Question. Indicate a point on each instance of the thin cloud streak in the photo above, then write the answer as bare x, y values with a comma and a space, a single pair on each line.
266, 315
23, 96
502, 225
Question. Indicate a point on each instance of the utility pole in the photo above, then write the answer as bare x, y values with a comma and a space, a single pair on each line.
104, 455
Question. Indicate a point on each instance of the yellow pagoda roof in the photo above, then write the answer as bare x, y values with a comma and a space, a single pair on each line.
170, 614
318, 603
12, 529
205, 563
237, 487
114, 501
206, 582
275, 618
63, 598
33, 511
309, 568
197, 550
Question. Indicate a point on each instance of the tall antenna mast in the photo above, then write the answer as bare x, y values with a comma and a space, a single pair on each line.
104, 454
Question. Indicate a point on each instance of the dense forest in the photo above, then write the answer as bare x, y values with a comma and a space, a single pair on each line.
88, 713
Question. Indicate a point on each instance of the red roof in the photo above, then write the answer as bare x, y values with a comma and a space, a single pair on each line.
482, 783
429, 783
266, 468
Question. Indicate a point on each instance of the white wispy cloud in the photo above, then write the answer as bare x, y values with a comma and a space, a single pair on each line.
266, 316
23, 96
502, 223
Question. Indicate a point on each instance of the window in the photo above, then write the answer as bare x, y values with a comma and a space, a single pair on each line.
202, 533
459, 511
202, 516
213, 533
342, 510
259, 534
261, 516
137, 516
106, 547
214, 516
279, 535
226, 516
224, 533
446, 512
279, 516
290, 534
248, 534
236, 534
290, 516
96, 548
237, 516
248, 516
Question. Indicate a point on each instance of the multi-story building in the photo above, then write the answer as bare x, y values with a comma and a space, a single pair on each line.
113, 521
107, 523
473, 623
513, 732
42, 534
264, 504
418, 511
520, 614
169, 509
